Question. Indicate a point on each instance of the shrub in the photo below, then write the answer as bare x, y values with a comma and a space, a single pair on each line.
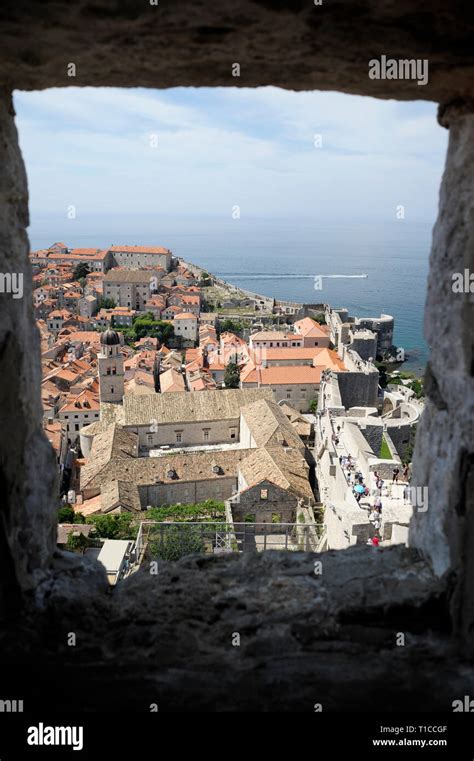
121, 526
176, 542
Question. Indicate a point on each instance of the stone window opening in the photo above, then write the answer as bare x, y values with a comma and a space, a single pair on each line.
33, 573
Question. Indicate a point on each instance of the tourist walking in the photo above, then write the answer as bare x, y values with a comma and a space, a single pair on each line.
396, 472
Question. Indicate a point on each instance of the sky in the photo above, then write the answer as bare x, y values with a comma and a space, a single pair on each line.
189, 152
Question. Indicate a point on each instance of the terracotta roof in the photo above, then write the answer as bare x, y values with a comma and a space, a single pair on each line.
309, 327
80, 253
140, 249
284, 375
328, 358
86, 400
86, 336
286, 352
171, 381
53, 434
232, 338
185, 316
274, 335
62, 314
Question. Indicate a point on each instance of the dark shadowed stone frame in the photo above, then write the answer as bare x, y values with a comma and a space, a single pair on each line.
326, 638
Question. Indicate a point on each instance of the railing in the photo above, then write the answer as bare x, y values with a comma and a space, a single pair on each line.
172, 540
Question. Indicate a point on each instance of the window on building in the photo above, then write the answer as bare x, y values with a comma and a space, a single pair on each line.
205, 435
249, 518
263, 493
179, 437
149, 438
76, 426
276, 517
233, 433
288, 394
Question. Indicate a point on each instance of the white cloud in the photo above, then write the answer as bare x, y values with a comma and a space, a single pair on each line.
216, 148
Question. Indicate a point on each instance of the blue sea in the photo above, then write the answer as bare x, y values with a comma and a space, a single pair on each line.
280, 258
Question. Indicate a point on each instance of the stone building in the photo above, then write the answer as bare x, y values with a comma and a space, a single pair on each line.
187, 420
313, 334
186, 325
111, 367
298, 385
131, 287
140, 256
205, 463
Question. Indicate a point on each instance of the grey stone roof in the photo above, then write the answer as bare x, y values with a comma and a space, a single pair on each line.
123, 494
188, 467
187, 407
111, 444
269, 425
129, 276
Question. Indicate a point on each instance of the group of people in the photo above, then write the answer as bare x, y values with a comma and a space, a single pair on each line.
355, 479
375, 516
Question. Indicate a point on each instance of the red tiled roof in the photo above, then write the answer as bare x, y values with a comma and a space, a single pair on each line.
141, 249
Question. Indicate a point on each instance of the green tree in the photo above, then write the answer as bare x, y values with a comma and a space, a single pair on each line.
313, 405
231, 326
80, 271
232, 375
106, 303
146, 325
120, 526
78, 542
210, 509
66, 514
383, 377
177, 541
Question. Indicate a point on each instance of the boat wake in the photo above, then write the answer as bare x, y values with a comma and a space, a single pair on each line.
280, 275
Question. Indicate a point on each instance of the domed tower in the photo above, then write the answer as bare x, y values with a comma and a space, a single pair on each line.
111, 370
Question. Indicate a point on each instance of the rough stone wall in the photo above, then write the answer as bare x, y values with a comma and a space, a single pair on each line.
373, 433
358, 388
288, 43
277, 501
443, 458
27, 463
305, 637
325, 47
